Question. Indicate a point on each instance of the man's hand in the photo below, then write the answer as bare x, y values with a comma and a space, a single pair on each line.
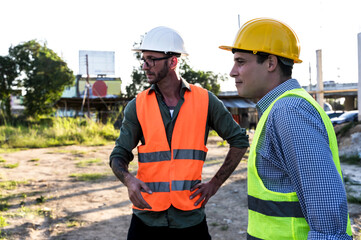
135, 186
205, 190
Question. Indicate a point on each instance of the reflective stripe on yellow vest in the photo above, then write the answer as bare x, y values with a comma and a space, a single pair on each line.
274, 215
171, 173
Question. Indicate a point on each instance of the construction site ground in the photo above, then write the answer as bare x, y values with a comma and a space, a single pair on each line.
50, 200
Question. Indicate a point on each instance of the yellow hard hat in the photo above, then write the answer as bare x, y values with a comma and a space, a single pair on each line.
269, 36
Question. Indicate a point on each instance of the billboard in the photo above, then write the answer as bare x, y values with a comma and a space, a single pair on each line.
112, 86
99, 62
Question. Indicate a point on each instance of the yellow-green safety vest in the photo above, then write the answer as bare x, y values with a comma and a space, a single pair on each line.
275, 215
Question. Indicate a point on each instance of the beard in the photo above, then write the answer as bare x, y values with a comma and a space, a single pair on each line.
158, 76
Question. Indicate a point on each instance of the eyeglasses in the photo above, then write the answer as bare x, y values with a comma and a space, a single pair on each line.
150, 62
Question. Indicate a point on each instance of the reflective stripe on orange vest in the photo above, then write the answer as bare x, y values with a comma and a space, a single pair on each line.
171, 172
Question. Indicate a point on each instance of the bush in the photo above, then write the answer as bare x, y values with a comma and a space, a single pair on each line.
57, 132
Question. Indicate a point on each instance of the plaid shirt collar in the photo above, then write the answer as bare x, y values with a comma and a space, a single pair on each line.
266, 101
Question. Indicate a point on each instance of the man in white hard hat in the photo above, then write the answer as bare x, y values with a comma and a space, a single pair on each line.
295, 186
172, 120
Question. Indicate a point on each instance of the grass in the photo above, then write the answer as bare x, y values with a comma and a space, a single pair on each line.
73, 223
213, 133
89, 162
222, 143
352, 159
60, 132
26, 211
9, 185
34, 160
14, 165
344, 130
89, 177
3, 222
11, 150
74, 152
354, 199
4, 205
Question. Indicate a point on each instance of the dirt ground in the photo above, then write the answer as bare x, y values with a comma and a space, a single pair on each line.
50, 204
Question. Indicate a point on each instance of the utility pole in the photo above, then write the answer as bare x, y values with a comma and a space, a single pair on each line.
86, 88
359, 77
309, 72
87, 83
319, 91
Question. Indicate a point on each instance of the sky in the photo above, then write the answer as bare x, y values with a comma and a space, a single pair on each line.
68, 26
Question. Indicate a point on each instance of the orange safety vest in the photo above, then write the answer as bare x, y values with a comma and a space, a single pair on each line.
171, 173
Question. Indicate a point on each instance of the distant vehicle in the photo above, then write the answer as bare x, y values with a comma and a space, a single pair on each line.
350, 116
327, 106
332, 114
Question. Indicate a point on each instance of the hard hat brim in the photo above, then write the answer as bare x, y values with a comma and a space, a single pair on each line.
227, 48
152, 50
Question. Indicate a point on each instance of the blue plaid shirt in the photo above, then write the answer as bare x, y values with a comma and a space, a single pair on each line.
293, 155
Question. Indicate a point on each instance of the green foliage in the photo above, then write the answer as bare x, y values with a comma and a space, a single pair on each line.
4, 205
222, 143
213, 133
8, 185
139, 79
15, 165
3, 222
344, 130
72, 223
34, 160
44, 76
207, 80
8, 74
352, 159
62, 131
353, 199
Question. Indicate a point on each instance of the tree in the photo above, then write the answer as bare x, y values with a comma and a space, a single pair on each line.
207, 80
8, 74
139, 79
44, 76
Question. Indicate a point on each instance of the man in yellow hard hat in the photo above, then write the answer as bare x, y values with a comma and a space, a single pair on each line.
172, 119
295, 185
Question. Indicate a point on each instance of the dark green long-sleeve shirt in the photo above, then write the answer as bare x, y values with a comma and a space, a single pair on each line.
218, 119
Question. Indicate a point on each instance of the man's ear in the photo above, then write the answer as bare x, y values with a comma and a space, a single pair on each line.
173, 62
272, 62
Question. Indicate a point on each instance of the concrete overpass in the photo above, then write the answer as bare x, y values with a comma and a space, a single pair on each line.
335, 90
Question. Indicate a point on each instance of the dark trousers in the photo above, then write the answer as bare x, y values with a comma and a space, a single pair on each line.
139, 231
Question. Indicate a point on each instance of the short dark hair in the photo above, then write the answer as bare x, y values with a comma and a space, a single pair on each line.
286, 65
173, 54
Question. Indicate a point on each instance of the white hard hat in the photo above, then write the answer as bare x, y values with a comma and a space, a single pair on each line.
162, 39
